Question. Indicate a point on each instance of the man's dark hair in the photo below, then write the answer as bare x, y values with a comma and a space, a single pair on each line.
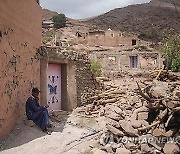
35, 90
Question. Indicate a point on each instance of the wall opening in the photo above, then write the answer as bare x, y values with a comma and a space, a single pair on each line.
133, 61
112, 60
134, 42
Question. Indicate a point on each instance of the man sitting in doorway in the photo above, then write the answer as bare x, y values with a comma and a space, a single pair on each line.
37, 113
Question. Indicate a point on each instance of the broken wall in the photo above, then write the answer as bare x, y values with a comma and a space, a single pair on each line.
20, 36
120, 60
150, 60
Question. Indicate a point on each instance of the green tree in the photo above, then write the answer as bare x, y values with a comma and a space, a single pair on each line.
171, 52
59, 21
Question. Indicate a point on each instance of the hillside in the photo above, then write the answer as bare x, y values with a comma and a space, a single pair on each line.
148, 20
47, 14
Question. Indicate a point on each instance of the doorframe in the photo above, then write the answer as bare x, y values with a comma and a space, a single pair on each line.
43, 80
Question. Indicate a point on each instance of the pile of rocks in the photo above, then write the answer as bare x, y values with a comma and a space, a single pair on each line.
163, 75
143, 119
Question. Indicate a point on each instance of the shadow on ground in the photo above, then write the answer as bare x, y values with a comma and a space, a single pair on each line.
23, 134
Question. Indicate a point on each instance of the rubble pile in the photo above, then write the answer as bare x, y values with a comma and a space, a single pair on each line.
143, 119
163, 75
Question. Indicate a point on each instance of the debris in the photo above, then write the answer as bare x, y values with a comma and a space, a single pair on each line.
163, 75
122, 151
171, 148
97, 151
149, 110
128, 129
115, 130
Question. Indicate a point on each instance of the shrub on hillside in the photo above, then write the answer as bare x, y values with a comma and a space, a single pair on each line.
171, 52
59, 21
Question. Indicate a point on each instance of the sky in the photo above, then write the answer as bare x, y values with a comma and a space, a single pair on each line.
79, 9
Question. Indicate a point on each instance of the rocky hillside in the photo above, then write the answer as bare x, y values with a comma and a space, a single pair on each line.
175, 2
47, 14
148, 20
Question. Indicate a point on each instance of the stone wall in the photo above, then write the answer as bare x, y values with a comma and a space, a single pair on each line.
20, 36
77, 78
120, 60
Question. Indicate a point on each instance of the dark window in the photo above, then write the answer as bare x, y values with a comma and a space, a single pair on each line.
133, 42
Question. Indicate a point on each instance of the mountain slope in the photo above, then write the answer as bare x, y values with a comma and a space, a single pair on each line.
143, 19
47, 14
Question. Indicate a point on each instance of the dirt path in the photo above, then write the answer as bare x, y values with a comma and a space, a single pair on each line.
31, 140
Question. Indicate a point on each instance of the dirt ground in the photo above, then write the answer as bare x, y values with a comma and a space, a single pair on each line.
64, 139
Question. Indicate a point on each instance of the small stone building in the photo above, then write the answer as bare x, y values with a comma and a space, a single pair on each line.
66, 78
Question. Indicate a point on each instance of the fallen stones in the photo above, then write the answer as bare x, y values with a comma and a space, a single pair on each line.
145, 148
97, 151
158, 132
112, 115
171, 148
114, 130
142, 116
112, 122
149, 112
130, 146
136, 123
128, 129
122, 151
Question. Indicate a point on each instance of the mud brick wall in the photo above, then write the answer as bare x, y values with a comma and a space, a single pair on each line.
20, 37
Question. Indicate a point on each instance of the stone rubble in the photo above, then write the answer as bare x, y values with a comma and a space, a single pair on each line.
140, 118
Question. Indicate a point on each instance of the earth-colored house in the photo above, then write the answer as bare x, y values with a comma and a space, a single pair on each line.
107, 38
20, 38
127, 60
